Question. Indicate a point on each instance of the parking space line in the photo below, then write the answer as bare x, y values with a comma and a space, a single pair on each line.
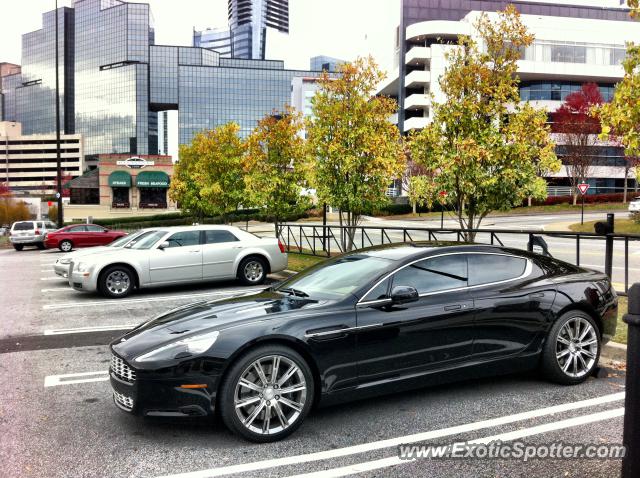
82, 330
107, 302
508, 436
71, 378
51, 278
391, 442
59, 289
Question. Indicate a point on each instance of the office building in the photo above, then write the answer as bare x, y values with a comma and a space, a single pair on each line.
575, 42
29, 162
115, 80
10, 79
324, 63
248, 23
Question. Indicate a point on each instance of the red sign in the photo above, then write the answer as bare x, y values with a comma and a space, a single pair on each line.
583, 188
442, 193
49, 203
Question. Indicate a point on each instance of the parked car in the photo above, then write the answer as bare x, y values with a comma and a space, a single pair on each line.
61, 266
178, 255
634, 205
380, 320
81, 235
30, 233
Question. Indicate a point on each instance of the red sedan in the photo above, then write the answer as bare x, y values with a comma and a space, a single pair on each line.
81, 235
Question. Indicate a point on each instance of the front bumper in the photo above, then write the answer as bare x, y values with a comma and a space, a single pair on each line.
82, 282
61, 269
160, 394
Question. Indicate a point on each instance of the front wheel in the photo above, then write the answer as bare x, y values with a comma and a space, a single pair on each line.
116, 282
267, 393
65, 246
572, 349
252, 271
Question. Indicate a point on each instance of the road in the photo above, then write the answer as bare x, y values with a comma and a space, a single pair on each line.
57, 418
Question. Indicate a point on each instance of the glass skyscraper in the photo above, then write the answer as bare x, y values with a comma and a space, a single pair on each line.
246, 36
114, 81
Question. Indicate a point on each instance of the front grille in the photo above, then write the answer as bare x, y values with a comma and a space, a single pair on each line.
124, 401
121, 370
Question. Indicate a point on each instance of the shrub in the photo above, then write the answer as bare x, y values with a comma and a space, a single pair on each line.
588, 199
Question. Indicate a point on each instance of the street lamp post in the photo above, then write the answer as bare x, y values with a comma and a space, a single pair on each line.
60, 218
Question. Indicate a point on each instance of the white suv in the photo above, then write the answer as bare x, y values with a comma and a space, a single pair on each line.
634, 206
30, 233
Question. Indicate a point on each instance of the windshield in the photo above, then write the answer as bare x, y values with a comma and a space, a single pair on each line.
121, 241
146, 240
336, 279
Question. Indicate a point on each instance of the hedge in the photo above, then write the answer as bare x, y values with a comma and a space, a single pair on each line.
588, 199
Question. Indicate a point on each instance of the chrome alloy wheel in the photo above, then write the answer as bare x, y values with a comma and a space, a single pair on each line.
270, 395
253, 271
118, 282
577, 347
66, 246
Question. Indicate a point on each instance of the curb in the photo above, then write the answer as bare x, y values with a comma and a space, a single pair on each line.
614, 351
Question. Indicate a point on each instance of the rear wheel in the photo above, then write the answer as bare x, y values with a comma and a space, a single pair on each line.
252, 270
267, 393
65, 246
572, 349
18, 247
116, 282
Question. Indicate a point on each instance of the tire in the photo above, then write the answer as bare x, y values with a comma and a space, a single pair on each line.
40, 245
116, 282
18, 247
565, 362
66, 245
284, 418
252, 270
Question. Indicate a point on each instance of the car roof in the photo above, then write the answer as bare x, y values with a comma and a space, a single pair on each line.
214, 227
409, 250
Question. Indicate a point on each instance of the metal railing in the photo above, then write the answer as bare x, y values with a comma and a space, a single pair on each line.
569, 246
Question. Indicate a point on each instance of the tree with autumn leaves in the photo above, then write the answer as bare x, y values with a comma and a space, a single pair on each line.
354, 151
275, 165
484, 148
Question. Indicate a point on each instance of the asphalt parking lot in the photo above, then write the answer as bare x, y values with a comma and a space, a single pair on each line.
57, 418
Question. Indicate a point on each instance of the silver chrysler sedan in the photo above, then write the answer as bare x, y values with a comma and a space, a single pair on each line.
178, 255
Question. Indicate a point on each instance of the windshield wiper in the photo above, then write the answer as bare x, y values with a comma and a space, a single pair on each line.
296, 292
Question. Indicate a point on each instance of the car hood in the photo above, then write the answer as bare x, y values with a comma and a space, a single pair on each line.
84, 252
206, 316
119, 252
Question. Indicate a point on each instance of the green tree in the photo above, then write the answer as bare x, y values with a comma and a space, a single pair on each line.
483, 147
275, 164
209, 178
355, 152
620, 118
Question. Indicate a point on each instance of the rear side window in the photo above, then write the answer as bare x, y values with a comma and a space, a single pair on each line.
50, 225
216, 237
432, 275
77, 229
23, 226
93, 228
486, 268
40, 225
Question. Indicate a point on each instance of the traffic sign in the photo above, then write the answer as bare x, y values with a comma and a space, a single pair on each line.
582, 187
57, 195
49, 203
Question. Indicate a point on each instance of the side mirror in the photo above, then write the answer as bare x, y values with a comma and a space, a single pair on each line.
164, 245
402, 294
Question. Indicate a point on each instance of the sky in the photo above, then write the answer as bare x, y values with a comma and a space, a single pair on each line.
338, 28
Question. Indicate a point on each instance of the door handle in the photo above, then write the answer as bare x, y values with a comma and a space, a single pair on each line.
453, 307
537, 294
195, 251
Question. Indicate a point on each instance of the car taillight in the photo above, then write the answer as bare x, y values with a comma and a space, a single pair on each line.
281, 246
37, 232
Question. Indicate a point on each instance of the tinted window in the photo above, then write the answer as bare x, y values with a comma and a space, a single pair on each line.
23, 226
94, 229
146, 240
431, 275
40, 225
50, 225
77, 229
185, 238
215, 237
379, 292
485, 268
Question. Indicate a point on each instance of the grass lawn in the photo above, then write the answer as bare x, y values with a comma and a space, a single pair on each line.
4, 242
623, 226
621, 330
608, 206
299, 262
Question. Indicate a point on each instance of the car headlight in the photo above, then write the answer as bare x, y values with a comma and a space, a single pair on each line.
64, 261
194, 345
83, 267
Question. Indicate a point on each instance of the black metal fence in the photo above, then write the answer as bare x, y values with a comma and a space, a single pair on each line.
579, 248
